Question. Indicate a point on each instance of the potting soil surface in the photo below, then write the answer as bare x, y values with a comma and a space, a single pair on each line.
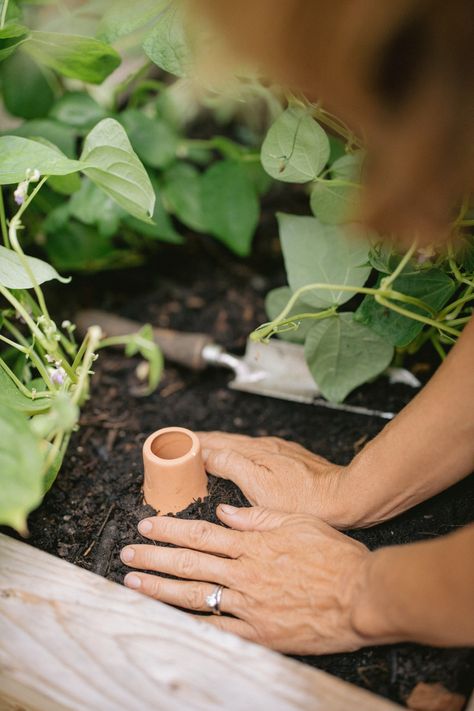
93, 508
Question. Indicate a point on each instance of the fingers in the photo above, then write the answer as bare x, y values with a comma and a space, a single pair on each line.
180, 562
234, 626
229, 464
198, 535
254, 518
187, 595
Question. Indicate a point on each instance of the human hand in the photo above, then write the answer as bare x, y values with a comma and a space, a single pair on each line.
277, 474
291, 582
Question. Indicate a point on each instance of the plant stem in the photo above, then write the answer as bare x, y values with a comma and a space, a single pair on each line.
3, 221
416, 317
21, 387
25, 316
3, 16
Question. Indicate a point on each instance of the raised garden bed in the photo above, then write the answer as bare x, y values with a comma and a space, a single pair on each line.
94, 507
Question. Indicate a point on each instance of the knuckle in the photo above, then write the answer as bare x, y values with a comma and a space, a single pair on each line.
194, 599
199, 534
224, 458
153, 586
185, 564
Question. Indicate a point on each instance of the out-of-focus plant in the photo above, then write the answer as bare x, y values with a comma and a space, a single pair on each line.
44, 372
425, 295
53, 89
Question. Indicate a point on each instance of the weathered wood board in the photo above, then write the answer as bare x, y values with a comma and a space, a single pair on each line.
70, 639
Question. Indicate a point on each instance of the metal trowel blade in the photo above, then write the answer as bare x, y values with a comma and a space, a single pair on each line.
276, 369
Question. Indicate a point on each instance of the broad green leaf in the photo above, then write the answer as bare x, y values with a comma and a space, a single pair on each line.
17, 155
162, 227
53, 470
65, 184
154, 141
275, 302
182, 195
63, 137
21, 463
11, 37
78, 110
432, 286
342, 354
29, 97
335, 200
92, 206
13, 274
78, 247
110, 162
122, 18
167, 45
231, 205
63, 415
12, 397
296, 148
322, 254
73, 56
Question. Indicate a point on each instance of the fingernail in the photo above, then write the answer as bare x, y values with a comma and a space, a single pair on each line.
228, 510
127, 555
145, 526
132, 581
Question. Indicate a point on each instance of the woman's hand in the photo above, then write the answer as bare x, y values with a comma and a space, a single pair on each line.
291, 582
277, 474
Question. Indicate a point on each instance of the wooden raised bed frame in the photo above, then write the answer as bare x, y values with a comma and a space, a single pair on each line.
70, 639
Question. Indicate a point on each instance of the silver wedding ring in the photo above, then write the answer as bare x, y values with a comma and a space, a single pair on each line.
213, 601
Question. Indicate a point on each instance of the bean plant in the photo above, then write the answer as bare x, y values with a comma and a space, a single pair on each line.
53, 86
425, 295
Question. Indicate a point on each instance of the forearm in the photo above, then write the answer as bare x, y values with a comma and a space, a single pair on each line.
425, 449
423, 592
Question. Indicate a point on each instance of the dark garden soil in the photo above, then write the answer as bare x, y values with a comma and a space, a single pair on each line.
96, 503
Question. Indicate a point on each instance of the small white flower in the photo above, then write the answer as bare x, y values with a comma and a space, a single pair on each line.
58, 375
21, 192
49, 358
66, 324
33, 175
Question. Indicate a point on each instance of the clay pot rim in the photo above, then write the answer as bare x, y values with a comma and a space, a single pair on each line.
192, 452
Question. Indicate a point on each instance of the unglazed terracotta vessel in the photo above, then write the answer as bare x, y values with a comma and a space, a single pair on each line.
174, 470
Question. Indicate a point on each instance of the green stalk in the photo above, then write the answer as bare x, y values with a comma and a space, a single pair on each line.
25, 316
3, 221
3, 16
21, 387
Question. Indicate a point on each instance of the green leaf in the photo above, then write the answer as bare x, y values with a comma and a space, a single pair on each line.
162, 227
432, 286
92, 206
109, 161
342, 354
62, 416
73, 56
182, 195
14, 398
143, 343
79, 110
63, 137
13, 274
11, 36
21, 464
25, 90
17, 155
154, 141
231, 205
122, 18
167, 45
335, 200
65, 184
315, 253
53, 469
78, 247
275, 302
296, 148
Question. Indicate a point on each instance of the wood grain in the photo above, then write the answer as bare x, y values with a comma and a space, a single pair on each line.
70, 639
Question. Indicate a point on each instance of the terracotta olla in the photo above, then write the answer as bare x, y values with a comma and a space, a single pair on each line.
174, 470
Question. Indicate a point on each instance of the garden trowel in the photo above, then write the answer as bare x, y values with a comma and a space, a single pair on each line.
275, 369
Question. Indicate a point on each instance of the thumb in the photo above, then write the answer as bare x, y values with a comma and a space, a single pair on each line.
229, 464
255, 518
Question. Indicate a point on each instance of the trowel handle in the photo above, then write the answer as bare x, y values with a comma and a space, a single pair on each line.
183, 348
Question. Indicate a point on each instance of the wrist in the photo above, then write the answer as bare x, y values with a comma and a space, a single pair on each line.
371, 619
